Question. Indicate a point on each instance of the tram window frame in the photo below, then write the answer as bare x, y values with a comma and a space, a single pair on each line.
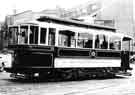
115, 43
126, 45
51, 36
101, 41
43, 33
13, 34
23, 34
66, 38
73, 42
33, 35
85, 40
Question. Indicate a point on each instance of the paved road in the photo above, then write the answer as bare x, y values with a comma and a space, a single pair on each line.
113, 86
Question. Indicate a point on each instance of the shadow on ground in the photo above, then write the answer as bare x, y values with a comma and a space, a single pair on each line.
46, 80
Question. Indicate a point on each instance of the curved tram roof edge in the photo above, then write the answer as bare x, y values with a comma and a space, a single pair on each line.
72, 22
78, 24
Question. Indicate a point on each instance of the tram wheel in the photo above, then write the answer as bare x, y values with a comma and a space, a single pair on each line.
2, 67
67, 75
75, 75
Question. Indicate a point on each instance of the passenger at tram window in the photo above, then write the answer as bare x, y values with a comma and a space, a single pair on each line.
10, 32
119, 45
73, 41
80, 43
112, 46
24, 34
88, 44
65, 42
23, 37
31, 37
97, 42
63, 39
104, 44
13, 34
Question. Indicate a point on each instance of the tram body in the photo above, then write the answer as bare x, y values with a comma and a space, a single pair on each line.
59, 47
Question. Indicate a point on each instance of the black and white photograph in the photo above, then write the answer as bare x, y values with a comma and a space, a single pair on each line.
67, 47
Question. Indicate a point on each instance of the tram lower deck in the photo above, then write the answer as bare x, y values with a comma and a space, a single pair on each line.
31, 59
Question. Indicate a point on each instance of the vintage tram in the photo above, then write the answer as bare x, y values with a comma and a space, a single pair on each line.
67, 49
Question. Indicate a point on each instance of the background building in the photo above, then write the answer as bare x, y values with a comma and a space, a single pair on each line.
115, 13
121, 12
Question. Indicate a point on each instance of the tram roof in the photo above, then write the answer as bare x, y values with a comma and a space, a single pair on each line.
79, 24
73, 22
26, 23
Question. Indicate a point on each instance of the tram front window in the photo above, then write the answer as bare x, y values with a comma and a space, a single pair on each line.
13, 32
23, 35
33, 36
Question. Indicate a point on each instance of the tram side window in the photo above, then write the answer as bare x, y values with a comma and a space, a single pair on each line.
73, 40
13, 32
66, 38
51, 39
23, 35
33, 34
115, 43
97, 44
101, 42
43, 35
126, 45
85, 40
104, 44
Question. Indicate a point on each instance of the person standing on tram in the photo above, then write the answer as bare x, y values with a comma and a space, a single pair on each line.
97, 42
104, 44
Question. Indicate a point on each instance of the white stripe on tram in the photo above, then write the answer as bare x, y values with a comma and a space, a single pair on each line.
76, 62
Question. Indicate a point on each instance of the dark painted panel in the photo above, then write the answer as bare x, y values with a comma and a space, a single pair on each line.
108, 54
31, 47
76, 52
34, 59
73, 52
